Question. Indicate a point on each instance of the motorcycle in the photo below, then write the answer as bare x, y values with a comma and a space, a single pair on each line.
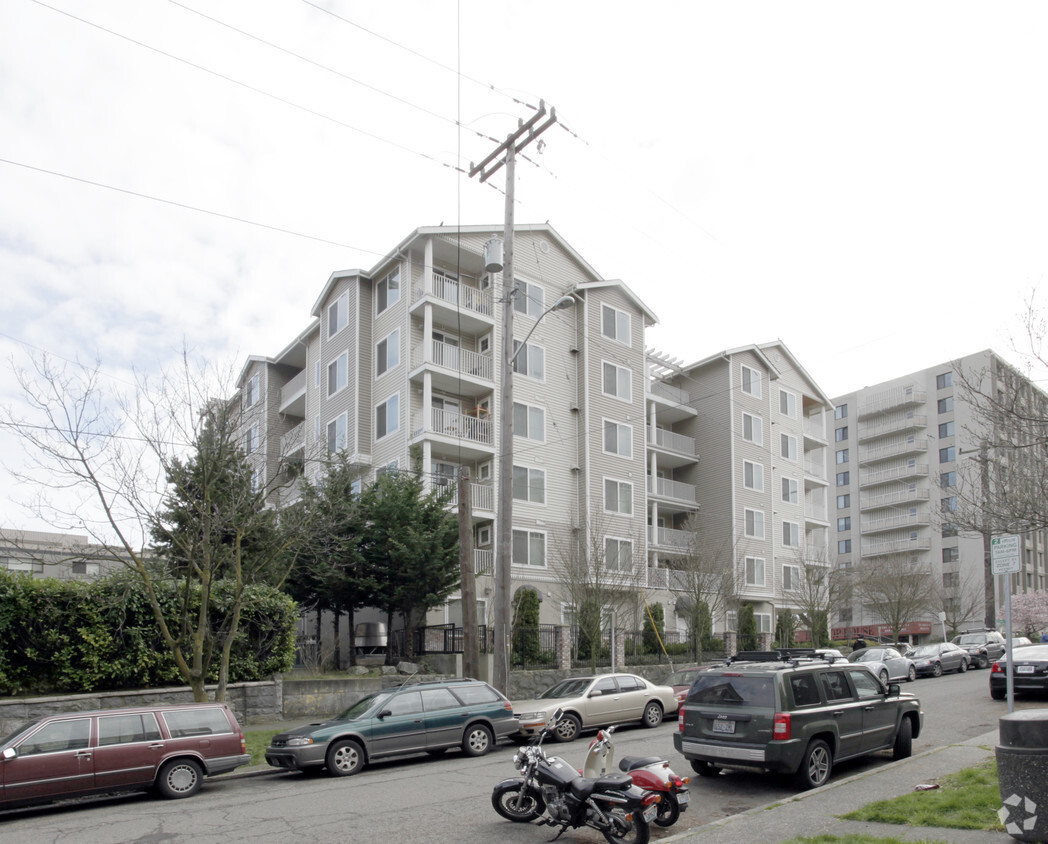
610, 804
651, 773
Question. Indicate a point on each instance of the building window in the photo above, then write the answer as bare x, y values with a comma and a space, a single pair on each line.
529, 422
951, 555
762, 621
615, 324
86, 568
843, 478
388, 291
943, 381
790, 490
950, 579
337, 374
946, 405
618, 497
530, 361
529, 485
336, 434
387, 417
617, 381
387, 355
843, 546
948, 454
949, 505
618, 554
948, 479
618, 439
338, 315
945, 429
948, 530
752, 428
788, 404
791, 534
251, 441
843, 501
528, 299
529, 548
844, 523
257, 479
751, 382
754, 571
754, 523
753, 475
251, 391
840, 411
484, 535
791, 578
842, 456
841, 434
788, 447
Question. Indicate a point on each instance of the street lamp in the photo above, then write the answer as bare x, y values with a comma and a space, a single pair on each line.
504, 548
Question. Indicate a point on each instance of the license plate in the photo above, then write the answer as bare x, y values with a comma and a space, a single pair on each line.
650, 813
683, 798
724, 726
1024, 669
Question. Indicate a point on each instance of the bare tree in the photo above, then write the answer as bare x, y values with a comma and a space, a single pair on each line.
164, 465
814, 587
960, 599
897, 587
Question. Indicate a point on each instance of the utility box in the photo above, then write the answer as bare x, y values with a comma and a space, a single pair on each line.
1022, 774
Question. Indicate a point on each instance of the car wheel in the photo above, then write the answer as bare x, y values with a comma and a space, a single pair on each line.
477, 741
884, 676
815, 767
344, 758
982, 660
704, 769
937, 670
567, 728
903, 740
997, 694
911, 675
179, 778
964, 666
652, 714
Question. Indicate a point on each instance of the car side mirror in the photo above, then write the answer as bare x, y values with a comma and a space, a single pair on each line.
595, 693
384, 713
894, 689
10, 753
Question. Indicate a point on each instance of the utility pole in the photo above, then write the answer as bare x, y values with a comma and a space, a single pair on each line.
470, 645
527, 131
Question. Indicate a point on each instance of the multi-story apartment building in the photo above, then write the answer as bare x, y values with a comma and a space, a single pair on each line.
400, 368
903, 450
63, 556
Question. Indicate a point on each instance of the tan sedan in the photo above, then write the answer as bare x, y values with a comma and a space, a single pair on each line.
596, 701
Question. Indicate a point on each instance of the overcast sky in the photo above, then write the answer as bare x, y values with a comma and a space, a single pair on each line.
867, 182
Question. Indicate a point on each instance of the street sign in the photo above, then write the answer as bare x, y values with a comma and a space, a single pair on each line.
1004, 554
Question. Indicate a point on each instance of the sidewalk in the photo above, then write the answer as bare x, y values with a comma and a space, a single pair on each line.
816, 812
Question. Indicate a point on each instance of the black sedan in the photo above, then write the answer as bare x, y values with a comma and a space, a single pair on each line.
938, 657
1030, 674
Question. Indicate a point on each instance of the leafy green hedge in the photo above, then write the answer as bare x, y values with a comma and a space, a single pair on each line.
72, 637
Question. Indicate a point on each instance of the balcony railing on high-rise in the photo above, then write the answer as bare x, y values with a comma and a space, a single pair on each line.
453, 424
454, 292
671, 441
456, 359
672, 489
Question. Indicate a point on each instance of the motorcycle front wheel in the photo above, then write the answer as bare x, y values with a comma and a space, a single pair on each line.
669, 810
516, 806
623, 831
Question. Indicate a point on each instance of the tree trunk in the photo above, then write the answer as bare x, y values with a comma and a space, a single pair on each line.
318, 655
352, 637
389, 637
336, 629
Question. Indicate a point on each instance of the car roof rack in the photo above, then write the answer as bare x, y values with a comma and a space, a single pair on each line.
793, 656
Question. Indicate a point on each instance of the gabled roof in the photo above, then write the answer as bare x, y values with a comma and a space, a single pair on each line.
649, 314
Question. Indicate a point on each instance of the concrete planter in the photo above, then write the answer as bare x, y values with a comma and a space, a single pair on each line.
1022, 774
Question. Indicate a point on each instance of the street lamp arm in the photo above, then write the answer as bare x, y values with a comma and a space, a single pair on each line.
563, 303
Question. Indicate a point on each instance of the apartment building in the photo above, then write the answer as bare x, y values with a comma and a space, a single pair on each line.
903, 452
63, 556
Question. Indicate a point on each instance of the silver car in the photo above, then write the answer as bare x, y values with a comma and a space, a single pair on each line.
887, 663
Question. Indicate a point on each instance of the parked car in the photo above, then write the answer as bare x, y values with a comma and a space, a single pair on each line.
938, 657
983, 646
596, 701
167, 748
1030, 674
775, 711
421, 717
681, 679
887, 663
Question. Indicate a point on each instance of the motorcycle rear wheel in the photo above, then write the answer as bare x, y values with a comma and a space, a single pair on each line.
669, 810
517, 807
623, 831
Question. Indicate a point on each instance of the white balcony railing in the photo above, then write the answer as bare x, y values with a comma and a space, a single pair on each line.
453, 424
452, 291
293, 440
456, 359
670, 537
293, 388
483, 561
481, 496
889, 499
672, 489
898, 473
671, 441
673, 394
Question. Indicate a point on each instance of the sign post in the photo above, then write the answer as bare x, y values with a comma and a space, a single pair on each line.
1005, 559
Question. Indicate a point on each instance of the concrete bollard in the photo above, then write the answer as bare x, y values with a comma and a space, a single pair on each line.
1022, 774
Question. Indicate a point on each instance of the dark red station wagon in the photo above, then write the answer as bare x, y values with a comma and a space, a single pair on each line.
166, 748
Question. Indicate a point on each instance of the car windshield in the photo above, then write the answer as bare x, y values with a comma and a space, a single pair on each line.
973, 639
363, 706
715, 688
868, 655
566, 688
926, 650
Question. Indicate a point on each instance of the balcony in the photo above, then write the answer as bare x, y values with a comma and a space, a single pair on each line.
893, 425
670, 539
470, 308
293, 396
453, 369
815, 468
672, 404
888, 450
898, 473
454, 434
896, 522
483, 561
896, 546
893, 498
294, 440
675, 446
481, 496
898, 397
815, 428
673, 490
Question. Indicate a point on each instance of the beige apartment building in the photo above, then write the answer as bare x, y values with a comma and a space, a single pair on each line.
906, 452
399, 367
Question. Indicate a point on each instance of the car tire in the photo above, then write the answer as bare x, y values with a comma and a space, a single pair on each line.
903, 746
568, 728
815, 767
911, 675
344, 758
704, 769
477, 740
883, 676
652, 714
998, 694
179, 778
964, 666
937, 670
981, 661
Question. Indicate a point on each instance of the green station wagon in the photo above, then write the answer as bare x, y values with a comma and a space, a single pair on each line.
422, 717
792, 712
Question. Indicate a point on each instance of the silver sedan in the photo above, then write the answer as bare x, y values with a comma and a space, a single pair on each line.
887, 663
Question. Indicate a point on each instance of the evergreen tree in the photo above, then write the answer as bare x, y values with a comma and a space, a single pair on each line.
747, 628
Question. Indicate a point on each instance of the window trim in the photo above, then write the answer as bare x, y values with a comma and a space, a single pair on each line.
389, 345
526, 356
529, 469
745, 527
788, 394
747, 559
619, 372
756, 475
795, 533
392, 275
619, 426
396, 417
620, 542
756, 426
529, 533
528, 408
756, 388
618, 496
344, 360
340, 306
617, 312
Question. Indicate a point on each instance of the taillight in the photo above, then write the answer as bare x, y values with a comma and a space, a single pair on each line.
996, 668
782, 727
243, 743
680, 719
651, 797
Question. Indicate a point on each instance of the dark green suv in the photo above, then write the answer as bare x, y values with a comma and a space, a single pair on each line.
792, 712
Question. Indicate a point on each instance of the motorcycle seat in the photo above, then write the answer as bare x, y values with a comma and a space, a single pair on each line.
631, 763
583, 787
